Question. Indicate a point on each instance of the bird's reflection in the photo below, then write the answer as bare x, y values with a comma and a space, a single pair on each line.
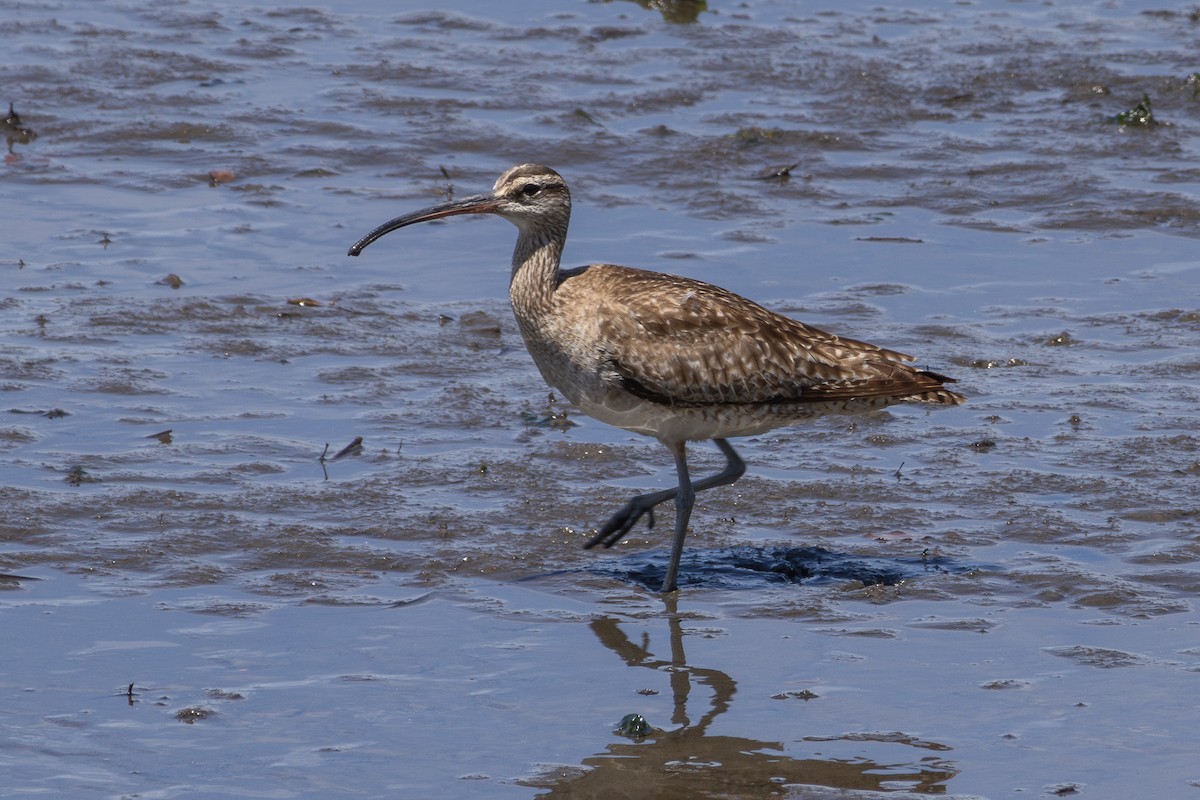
608, 630
689, 762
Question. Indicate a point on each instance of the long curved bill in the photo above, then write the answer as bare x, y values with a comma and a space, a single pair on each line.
476, 204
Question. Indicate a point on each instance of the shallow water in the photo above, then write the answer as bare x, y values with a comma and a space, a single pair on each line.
988, 601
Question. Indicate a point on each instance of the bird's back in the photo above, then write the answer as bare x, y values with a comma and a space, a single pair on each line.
617, 336
694, 343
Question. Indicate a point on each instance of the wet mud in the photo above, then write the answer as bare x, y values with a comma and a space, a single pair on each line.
323, 511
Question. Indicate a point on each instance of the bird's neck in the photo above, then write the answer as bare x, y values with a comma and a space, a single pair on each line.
534, 273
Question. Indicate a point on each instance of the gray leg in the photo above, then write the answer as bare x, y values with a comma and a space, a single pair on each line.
684, 500
624, 520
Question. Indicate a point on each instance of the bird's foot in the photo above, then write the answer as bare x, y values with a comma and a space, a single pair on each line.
623, 521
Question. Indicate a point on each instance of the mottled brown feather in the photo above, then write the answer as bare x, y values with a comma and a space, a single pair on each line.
685, 343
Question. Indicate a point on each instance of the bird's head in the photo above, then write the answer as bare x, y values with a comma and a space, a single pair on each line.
529, 196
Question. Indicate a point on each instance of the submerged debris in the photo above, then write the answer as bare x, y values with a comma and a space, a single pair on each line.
680, 12
556, 415
53, 413
754, 135
449, 192
634, 726
580, 114
15, 131
1140, 115
891, 239
191, 715
1063, 339
753, 566
988, 363
780, 174
77, 475
7, 578
352, 449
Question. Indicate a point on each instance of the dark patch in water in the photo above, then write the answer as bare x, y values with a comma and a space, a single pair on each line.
750, 567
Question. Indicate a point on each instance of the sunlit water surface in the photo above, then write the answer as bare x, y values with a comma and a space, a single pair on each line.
996, 600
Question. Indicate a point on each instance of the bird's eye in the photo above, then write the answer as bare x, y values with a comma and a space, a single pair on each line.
530, 189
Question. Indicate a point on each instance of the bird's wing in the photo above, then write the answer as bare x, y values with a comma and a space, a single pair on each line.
682, 342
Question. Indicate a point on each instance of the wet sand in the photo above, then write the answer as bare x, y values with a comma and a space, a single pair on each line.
989, 601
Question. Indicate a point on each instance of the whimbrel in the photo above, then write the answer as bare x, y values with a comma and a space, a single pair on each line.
667, 356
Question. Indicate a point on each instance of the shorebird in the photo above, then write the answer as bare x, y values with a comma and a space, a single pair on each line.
668, 356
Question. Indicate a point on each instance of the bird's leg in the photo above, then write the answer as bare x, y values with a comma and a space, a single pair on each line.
685, 498
624, 520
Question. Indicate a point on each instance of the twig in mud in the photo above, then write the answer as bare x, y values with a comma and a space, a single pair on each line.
411, 601
780, 174
891, 239
352, 449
